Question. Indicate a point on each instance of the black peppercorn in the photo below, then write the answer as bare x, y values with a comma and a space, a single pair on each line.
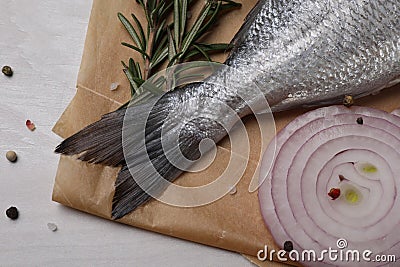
7, 71
288, 246
12, 213
360, 121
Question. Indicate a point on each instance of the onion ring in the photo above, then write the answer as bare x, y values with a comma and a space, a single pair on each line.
356, 153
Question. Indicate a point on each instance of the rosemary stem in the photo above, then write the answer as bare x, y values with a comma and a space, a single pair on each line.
149, 51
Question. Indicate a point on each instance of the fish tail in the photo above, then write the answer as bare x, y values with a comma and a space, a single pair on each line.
158, 148
147, 144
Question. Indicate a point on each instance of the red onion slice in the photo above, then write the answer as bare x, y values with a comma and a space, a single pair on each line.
332, 148
396, 112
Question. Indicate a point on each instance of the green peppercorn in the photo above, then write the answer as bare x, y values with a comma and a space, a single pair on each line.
348, 101
12, 213
288, 246
7, 71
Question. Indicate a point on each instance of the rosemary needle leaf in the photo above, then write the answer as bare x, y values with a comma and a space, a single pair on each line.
159, 57
215, 47
183, 18
132, 67
123, 64
194, 30
166, 11
162, 45
208, 48
141, 31
140, 2
171, 46
134, 87
172, 61
198, 48
138, 81
151, 5
177, 23
211, 21
230, 5
156, 12
160, 33
132, 32
136, 49
138, 70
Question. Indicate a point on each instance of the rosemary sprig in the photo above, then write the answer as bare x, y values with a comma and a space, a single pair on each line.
162, 43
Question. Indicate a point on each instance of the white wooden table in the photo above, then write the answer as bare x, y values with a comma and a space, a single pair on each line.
43, 41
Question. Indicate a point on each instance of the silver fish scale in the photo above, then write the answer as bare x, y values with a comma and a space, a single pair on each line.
276, 14
314, 52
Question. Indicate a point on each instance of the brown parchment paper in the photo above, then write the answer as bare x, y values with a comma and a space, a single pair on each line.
233, 222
